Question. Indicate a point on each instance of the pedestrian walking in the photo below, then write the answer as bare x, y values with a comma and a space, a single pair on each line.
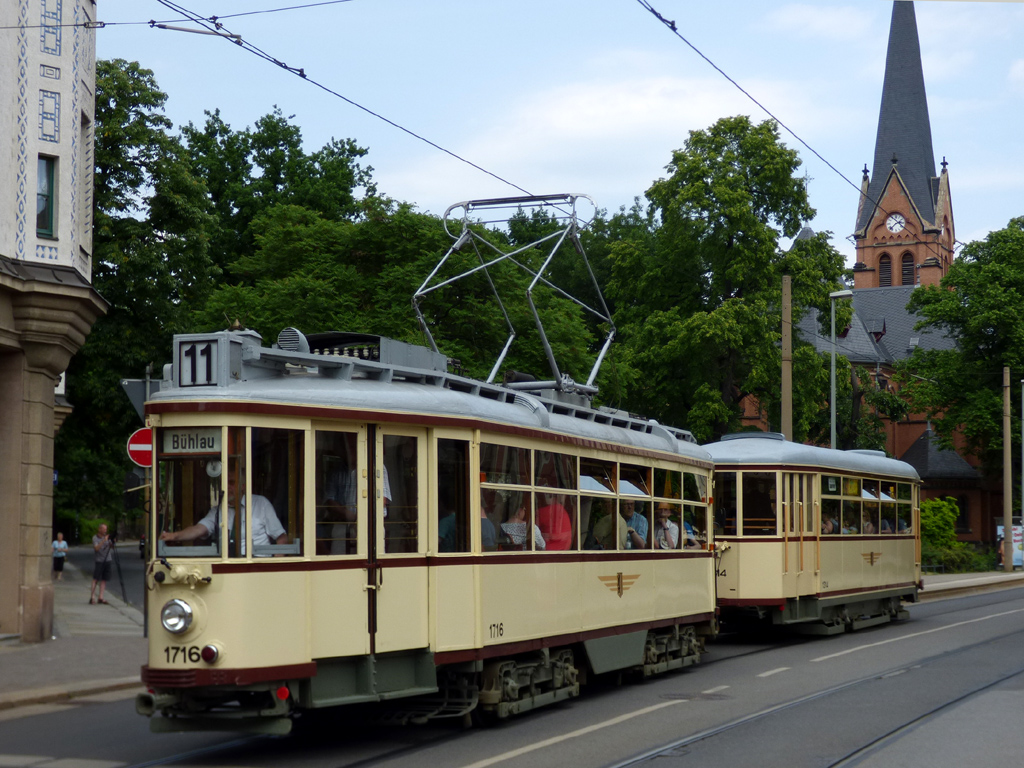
102, 546
60, 551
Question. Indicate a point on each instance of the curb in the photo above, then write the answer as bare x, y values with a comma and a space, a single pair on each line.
965, 587
67, 692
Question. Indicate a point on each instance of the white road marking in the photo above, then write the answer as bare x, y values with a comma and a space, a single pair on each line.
78, 762
20, 761
917, 634
30, 710
716, 689
572, 735
771, 672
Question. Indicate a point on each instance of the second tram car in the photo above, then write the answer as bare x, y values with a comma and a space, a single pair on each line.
355, 524
818, 539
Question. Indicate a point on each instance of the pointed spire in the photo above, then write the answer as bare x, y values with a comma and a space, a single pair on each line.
904, 130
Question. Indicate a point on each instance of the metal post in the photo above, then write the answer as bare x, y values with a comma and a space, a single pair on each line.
1007, 477
787, 356
832, 390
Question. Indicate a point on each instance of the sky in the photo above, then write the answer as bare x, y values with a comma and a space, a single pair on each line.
593, 96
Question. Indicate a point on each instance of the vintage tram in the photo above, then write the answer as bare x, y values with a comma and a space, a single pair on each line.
816, 539
354, 523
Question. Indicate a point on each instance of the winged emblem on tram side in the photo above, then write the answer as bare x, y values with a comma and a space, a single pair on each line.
871, 557
619, 583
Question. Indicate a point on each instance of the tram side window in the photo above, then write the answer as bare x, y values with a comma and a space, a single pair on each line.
337, 493
401, 507
517, 530
277, 478
695, 527
504, 464
556, 507
831, 511
759, 496
851, 517
669, 531
598, 476
668, 484
725, 503
188, 484
888, 524
869, 521
634, 481
635, 524
453, 496
597, 521
695, 487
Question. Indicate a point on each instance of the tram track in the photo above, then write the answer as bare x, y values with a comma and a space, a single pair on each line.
854, 756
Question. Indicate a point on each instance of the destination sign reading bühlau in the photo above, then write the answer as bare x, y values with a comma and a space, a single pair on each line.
195, 440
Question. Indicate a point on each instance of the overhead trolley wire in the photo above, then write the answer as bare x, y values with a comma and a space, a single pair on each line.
646, 5
217, 28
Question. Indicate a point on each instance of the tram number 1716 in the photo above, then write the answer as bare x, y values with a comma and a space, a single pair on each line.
497, 630
183, 654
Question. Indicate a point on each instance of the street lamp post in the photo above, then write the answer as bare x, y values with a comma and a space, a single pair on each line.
832, 390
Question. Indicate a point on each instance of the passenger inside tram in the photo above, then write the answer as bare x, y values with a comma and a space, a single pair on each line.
515, 530
266, 527
666, 532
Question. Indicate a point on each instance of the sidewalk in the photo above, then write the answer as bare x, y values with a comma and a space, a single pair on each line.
96, 648
99, 648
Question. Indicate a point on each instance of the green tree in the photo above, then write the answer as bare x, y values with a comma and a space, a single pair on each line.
698, 300
250, 171
978, 306
150, 262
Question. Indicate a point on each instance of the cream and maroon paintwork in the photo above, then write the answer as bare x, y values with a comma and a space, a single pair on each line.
768, 571
274, 618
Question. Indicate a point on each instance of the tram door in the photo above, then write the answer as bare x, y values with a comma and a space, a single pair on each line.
799, 535
397, 571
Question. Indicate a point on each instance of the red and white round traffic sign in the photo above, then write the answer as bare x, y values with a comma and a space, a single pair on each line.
140, 447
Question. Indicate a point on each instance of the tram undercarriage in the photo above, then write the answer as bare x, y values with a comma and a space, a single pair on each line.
412, 690
826, 616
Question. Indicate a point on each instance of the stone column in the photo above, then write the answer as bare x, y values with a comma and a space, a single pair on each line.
42, 324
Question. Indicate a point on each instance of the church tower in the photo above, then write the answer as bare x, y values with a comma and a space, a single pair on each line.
904, 232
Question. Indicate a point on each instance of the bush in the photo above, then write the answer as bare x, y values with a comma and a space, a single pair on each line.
938, 523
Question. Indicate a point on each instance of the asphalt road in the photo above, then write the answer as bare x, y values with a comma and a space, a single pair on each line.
915, 693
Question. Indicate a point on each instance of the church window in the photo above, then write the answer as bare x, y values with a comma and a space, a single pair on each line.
908, 269
884, 270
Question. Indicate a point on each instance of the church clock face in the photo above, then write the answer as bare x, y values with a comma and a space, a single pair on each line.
895, 222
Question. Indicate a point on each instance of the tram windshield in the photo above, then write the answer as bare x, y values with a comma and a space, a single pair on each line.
203, 507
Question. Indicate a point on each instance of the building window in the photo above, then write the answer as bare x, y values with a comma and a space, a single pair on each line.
45, 196
884, 270
908, 269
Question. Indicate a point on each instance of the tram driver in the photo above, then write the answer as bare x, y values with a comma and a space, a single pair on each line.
266, 527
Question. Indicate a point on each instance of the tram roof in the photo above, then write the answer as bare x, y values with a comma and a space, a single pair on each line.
290, 379
772, 449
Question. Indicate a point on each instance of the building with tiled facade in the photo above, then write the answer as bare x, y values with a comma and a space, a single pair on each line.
47, 303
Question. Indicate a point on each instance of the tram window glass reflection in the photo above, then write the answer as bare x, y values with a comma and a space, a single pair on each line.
888, 523
668, 484
869, 518
504, 464
759, 504
725, 503
453, 496
695, 526
695, 487
554, 470
851, 517
869, 490
634, 480
277, 477
597, 523
337, 493
831, 511
904, 518
556, 519
904, 492
402, 507
597, 476
851, 486
188, 484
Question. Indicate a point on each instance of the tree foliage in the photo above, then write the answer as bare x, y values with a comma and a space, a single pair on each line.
979, 306
698, 295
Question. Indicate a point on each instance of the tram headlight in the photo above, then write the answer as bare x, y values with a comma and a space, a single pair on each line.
176, 616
